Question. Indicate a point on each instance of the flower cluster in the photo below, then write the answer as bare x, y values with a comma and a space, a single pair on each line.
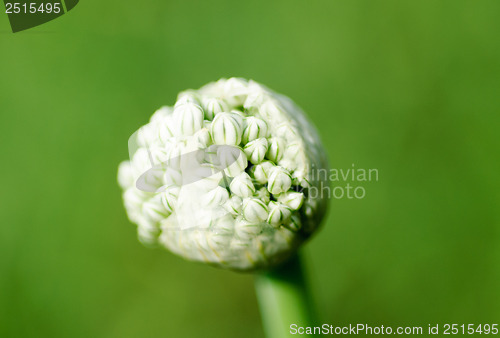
223, 176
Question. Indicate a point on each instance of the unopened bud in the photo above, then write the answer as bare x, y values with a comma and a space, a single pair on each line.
279, 214
214, 106
169, 198
255, 210
279, 181
189, 118
242, 185
217, 196
292, 199
234, 205
226, 129
276, 149
256, 150
262, 171
256, 128
247, 230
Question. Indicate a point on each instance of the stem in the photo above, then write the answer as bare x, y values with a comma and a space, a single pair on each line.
284, 298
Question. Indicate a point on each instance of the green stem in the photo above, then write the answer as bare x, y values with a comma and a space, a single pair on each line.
284, 299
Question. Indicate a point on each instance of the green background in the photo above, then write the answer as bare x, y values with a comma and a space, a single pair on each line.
410, 88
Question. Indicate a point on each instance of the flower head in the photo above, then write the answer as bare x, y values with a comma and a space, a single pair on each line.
225, 176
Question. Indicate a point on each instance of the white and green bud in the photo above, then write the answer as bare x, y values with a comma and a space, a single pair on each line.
255, 128
242, 185
247, 230
216, 196
256, 150
201, 139
169, 198
255, 210
280, 181
172, 177
276, 149
263, 195
257, 96
211, 177
226, 129
154, 209
188, 96
262, 171
165, 129
232, 160
189, 119
279, 214
292, 199
126, 177
234, 205
160, 114
294, 224
235, 90
213, 106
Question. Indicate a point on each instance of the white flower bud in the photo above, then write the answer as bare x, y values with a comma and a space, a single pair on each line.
287, 131
263, 195
158, 155
134, 198
279, 214
232, 160
169, 198
242, 185
279, 181
256, 150
276, 149
151, 180
226, 129
217, 196
187, 96
213, 106
219, 241
255, 210
293, 150
238, 117
165, 132
223, 225
256, 128
257, 95
288, 164
271, 110
235, 90
299, 177
154, 209
262, 171
294, 224
234, 205
160, 114
201, 139
172, 177
188, 118
126, 177
146, 135
247, 230
292, 199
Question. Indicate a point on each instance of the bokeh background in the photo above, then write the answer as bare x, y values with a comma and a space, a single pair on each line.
411, 88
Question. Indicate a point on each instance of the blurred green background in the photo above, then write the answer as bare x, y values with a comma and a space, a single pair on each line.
408, 87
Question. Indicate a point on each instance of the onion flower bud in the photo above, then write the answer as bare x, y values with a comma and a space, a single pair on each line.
280, 181
226, 129
225, 176
256, 150
255, 210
